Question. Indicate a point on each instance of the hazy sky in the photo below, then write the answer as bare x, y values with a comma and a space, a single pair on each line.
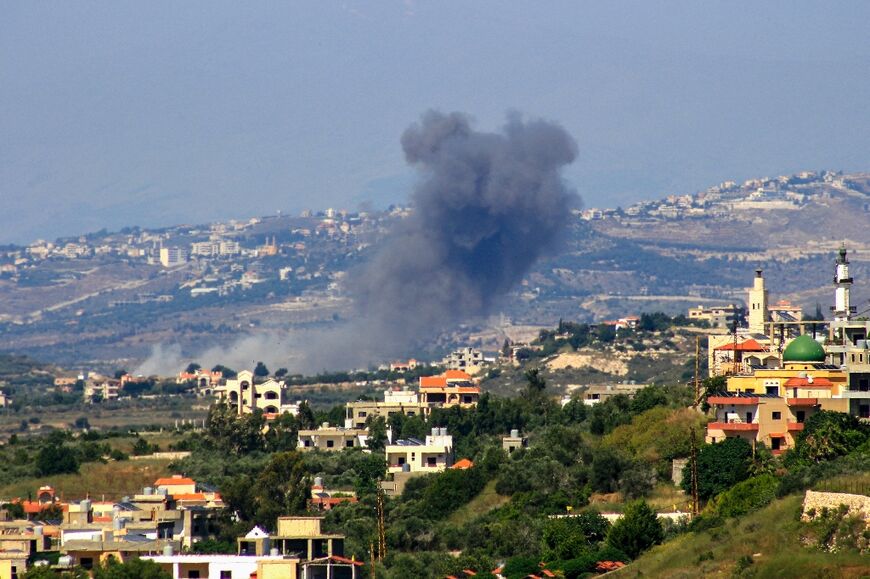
116, 113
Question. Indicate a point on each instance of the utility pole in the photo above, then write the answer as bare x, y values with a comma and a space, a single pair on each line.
696, 507
372, 559
697, 371
382, 527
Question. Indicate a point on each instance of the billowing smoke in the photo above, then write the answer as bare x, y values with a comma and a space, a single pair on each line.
487, 207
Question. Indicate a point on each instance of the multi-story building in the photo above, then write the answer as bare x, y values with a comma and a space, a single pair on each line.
101, 387
733, 355
770, 405
395, 402
172, 256
716, 316
245, 394
332, 438
453, 388
467, 360
435, 454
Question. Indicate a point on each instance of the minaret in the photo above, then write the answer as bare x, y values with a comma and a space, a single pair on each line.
758, 305
843, 308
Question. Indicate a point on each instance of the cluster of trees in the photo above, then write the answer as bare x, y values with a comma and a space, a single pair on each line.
111, 569
59, 452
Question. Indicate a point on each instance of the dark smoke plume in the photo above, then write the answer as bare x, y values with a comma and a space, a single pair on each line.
487, 207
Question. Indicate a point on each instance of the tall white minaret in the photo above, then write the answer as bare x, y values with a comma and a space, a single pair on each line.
843, 308
758, 305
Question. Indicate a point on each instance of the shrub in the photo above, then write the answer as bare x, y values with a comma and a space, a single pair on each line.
746, 496
637, 530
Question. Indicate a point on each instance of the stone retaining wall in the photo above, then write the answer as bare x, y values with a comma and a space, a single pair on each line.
858, 504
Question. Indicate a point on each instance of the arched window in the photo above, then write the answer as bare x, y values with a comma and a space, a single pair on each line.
271, 395
270, 410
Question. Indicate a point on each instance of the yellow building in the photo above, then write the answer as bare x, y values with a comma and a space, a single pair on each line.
804, 374
770, 405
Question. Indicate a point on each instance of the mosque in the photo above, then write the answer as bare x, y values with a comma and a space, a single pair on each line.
780, 371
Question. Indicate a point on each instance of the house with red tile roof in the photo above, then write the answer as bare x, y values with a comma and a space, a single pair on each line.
452, 388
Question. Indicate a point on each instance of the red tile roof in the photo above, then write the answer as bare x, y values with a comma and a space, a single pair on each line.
749, 345
799, 381
169, 481
462, 464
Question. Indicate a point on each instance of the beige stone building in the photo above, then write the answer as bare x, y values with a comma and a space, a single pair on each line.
332, 438
245, 394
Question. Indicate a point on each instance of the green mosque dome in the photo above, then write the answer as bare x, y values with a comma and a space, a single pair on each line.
804, 349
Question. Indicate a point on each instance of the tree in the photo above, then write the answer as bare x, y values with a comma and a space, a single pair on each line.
720, 466
305, 416
56, 459
377, 438
192, 368
132, 569
829, 434
534, 381
141, 447
282, 488
15, 510
280, 372
46, 572
261, 370
637, 530
82, 423
226, 373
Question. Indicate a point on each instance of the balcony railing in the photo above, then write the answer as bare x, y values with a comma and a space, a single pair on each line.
733, 426
793, 426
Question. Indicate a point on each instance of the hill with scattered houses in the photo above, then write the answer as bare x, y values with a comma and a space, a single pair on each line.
105, 298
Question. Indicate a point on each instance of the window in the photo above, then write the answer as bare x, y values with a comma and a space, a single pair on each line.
330, 443
87, 562
226, 575
193, 574
349, 443
401, 461
801, 415
748, 417
432, 461
362, 414
775, 443
777, 415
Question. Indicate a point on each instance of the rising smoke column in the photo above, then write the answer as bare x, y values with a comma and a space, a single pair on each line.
487, 207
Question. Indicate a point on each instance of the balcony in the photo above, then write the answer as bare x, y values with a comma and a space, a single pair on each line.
733, 426
733, 400
861, 394
802, 401
795, 426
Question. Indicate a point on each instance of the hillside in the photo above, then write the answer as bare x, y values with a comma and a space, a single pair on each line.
767, 543
104, 300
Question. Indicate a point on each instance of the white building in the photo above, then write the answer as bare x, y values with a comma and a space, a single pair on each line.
172, 256
435, 454
224, 566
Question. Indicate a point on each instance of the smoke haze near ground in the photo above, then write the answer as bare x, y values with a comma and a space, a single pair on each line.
488, 205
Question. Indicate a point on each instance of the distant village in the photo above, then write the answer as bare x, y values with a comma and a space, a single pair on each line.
786, 192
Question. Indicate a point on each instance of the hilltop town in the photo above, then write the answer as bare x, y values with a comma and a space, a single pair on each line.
116, 294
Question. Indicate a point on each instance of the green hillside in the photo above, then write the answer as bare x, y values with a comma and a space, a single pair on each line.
771, 542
